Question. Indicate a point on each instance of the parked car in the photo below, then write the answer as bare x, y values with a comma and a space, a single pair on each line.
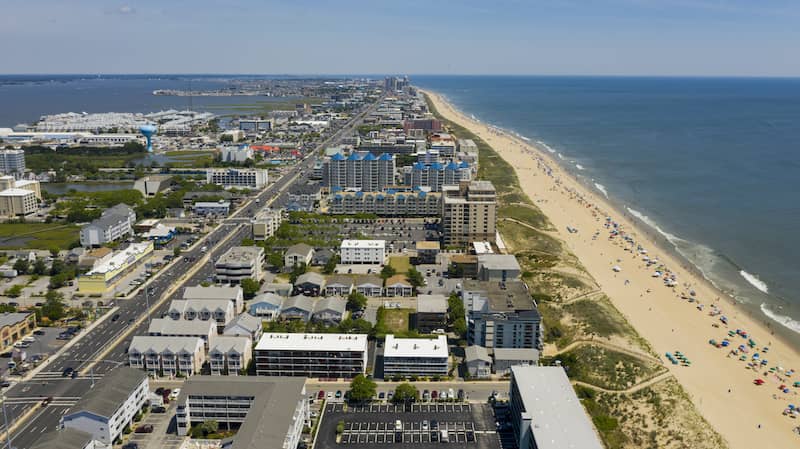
130, 445
159, 409
338, 394
145, 428
321, 394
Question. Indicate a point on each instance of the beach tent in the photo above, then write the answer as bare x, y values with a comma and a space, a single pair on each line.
616, 268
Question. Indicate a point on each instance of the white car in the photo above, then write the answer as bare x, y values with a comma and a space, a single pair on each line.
174, 394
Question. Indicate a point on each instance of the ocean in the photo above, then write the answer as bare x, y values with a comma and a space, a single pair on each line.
710, 164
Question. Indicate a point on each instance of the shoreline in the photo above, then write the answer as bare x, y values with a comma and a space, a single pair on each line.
712, 372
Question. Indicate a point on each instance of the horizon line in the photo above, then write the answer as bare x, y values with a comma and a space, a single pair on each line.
319, 75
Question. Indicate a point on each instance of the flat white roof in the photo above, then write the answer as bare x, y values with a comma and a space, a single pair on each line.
121, 258
16, 192
558, 420
415, 347
312, 342
363, 243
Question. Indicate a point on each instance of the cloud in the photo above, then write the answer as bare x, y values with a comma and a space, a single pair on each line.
126, 9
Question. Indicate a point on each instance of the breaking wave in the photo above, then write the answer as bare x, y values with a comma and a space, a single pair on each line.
785, 321
755, 281
601, 188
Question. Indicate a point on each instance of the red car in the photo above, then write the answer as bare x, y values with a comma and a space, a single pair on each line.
321, 394
759, 381
434, 394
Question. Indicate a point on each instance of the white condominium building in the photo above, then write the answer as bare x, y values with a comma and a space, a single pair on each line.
167, 356
363, 251
415, 356
311, 355
115, 222
469, 212
241, 178
12, 162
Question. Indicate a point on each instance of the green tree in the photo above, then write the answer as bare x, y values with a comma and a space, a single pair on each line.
330, 265
275, 259
387, 272
209, 426
361, 389
298, 270
356, 301
39, 267
456, 315
54, 251
54, 307
250, 287
405, 392
14, 291
22, 266
415, 278
177, 251
248, 242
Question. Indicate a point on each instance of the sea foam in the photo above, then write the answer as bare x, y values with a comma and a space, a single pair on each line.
783, 320
579, 167
672, 238
546, 146
755, 281
601, 188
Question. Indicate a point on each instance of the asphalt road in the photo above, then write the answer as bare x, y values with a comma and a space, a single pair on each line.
66, 391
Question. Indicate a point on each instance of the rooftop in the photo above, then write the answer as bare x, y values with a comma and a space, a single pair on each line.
12, 318
168, 326
67, 438
516, 354
558, 420
241, 254
232, 292
431, 304
509, 296
415, 347
121, 258
498, 262
363, 243
144, 343
110, 392
268, 418
312, 342
476, 352
228, 343
427, 245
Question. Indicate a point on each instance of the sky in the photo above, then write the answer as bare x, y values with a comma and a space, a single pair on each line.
545, 37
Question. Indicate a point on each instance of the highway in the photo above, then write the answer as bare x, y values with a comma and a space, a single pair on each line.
102, 349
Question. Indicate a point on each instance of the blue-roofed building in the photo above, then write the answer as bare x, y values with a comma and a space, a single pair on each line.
359, 171
389, 203
435, 175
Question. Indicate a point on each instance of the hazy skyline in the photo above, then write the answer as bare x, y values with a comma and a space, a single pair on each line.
578, 37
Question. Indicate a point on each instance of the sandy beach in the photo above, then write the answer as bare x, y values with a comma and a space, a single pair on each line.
720, 385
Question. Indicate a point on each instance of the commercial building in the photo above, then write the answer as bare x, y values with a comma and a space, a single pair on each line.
505, 358
235, 153
359, 171
114, 223
469, 212
363, 251
152, 184
229, 355
498, 267
240, 178
268, 412
108, 270
431, 313
427, 251
407, 357
105, 410
545, 411
435, 175
389, 203
17, 202
167, 356
167, 327
12, 162
311, 355
501, 315
14, 326
266, 222
239, 263
255, 126
209, 208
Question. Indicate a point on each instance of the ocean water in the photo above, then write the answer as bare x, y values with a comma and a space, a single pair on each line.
712, 166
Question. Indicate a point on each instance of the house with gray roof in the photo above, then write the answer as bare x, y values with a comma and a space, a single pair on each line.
369, 285
298, 254
266, 306
233, 293
167, 356
478, 362
219, 310
229, 355
339, 285
182, 328
245, 325
505, 358
311, 284
299, 307
330, 310
105, 410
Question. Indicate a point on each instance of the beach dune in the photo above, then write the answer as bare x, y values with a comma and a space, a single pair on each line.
721, 387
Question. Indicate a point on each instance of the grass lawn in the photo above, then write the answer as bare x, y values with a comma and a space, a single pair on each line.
395, 320
37, 235
401, 264
525, 214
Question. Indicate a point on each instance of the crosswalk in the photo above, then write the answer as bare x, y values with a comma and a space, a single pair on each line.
58, 375
56, 401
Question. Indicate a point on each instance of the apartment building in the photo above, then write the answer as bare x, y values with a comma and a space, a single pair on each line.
12, 162
210, 208
240, 262
105, 410
232, 293
545, 411
167, 356
167, 327
363, 251
267, 412
17, 202
501, 315
229, 355
115, 223
298, 254
389, 203
219, 311
265, 223
240, 178
359, 171
311, 355
435, 175
66, 439
469, 212
408, 357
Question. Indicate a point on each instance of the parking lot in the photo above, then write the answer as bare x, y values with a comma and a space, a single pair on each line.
416, 426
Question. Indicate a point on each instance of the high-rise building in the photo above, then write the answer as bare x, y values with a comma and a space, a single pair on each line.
248, 178
364, 172
12, 162
469, 212
436, 175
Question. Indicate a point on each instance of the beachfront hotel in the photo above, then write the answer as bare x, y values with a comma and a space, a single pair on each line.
311, 355
469, 212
